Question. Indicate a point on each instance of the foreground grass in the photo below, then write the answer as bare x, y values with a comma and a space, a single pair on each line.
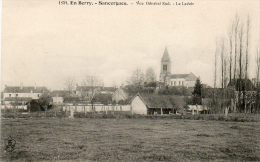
130, 139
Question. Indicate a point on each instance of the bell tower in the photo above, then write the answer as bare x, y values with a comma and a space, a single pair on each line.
165, 66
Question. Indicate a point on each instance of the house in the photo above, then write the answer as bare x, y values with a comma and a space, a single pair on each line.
87, 92
156, 104
58, 96
198, 109
107, 90
166, 76
20, 95
119, 95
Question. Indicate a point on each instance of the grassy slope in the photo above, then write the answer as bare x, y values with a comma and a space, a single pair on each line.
131, 139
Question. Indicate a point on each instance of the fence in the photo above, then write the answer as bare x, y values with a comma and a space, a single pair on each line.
96, 108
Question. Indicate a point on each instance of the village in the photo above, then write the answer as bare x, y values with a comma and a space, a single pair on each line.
130, 81
177, 94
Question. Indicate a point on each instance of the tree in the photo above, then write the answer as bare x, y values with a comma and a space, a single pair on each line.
137, 78
45, 101
70, 85
93, 82
258, 81
150, 75
236, 22
197, 95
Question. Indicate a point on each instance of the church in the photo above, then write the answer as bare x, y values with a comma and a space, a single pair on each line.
166, 76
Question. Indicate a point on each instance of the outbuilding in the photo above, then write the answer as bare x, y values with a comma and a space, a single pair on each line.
156, 104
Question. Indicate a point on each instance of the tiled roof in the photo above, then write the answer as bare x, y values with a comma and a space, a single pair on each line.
87, 88
162, 101
18, 99
112, 89
60, 93
17, 89
188, 77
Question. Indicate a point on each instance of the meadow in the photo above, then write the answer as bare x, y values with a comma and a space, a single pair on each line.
89, 139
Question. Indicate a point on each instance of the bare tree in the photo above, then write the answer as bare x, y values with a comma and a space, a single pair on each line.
247, 44
92, 82
137, 77
230, 37
150, 75
222, 57
236, 23
215, 65
258, 81
70, 84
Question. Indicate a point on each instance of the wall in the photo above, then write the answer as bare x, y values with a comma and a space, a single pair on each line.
98, 108
31, 95
138, 106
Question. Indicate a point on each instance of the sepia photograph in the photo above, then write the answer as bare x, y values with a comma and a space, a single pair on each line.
130, 80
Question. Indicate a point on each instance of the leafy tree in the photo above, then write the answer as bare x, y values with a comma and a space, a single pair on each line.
197, 95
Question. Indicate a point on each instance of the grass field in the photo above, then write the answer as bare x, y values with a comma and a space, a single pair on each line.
130, 140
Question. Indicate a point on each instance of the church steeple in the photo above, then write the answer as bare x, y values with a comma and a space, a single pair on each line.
165, 65
166, 57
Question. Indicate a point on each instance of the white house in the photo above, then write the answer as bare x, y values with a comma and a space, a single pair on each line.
21, 95
197, 109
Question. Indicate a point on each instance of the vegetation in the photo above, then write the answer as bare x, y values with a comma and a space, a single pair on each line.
54, 139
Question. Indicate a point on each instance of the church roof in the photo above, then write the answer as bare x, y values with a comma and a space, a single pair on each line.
166, 56
188, 77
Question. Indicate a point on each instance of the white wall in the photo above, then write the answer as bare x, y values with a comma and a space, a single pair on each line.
31, 95
88, 108
138, 106
57, 100
177, 81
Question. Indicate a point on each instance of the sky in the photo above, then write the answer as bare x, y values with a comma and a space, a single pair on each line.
44, 43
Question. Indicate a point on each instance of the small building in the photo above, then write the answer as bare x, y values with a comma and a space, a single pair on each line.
156, 104
198, 109
58, 96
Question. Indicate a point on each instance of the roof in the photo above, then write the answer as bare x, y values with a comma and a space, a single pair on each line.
166, 57
162, 101
60, 93
188, 77
111, 89
87, 88
18, 99
22, 89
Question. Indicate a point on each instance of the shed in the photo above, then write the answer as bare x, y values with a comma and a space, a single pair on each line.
156, 104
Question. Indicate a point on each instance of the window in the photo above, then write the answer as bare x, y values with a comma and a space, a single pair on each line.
164, 67
179, 82
175, 83
182, 82
38, 95
10, 95
16, 95
171, 82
